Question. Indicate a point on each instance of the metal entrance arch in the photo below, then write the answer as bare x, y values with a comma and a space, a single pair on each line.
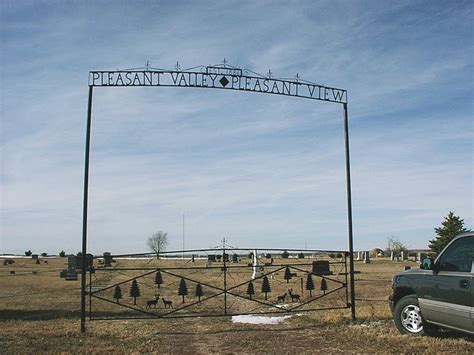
224, 77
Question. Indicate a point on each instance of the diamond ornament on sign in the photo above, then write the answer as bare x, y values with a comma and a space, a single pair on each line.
224, 81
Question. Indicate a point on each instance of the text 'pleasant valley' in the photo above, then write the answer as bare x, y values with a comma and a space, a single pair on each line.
230, 81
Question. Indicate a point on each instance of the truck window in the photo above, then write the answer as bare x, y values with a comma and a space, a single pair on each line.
459, 256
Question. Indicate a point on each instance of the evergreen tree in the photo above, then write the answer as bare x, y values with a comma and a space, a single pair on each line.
287, 275
118, 293
324, 286
134, 291
62, 254
28, 253
310, 285
266, 287
158, 279
183, 289
199, 292
450, 227
250, 290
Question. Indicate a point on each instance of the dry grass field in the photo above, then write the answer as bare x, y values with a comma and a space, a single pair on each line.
40, 312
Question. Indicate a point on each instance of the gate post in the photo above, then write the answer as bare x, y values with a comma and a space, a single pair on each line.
349, 210
225, 277
84, 213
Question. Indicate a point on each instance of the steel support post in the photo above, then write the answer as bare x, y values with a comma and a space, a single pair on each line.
84, 213
225, 279
349, 210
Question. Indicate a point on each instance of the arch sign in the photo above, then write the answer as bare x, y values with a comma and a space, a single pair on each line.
216, 77
222, 77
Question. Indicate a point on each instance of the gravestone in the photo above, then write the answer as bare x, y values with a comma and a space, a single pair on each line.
392, 256
366, 257
404, 255
107, 259
235, 258
78, 261
321, 267
71, 268
34, 257
256, 268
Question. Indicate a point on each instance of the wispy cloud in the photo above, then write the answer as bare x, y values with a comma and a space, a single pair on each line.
249, 167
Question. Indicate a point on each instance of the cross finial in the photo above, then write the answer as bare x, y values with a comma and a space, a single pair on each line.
270, 74
297, 77
147, 66
224, 62
177, 66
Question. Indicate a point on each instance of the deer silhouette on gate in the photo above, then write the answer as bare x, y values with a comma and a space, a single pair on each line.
168, 304
294, 296
281, 298
153, 303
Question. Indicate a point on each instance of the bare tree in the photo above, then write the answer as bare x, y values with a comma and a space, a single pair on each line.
157, 242
394, 244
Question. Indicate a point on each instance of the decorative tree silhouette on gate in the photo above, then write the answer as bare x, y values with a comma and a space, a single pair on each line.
310, 285
134, 291
287, 276
199, 292
158, 279
324, 286
250, 290
118, 294
266, 287
183, 289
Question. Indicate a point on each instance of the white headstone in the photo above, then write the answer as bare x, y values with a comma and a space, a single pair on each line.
256, 268
392, 256
366, 257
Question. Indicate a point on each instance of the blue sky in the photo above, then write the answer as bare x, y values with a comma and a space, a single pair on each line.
260, 170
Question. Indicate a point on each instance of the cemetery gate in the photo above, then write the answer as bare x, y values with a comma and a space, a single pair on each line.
221, 286
221, 281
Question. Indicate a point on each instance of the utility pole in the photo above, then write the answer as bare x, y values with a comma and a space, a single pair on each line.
183, 235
